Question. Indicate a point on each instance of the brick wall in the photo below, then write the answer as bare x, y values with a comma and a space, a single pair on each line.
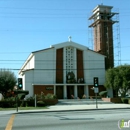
59, 65
43, 88
80, 70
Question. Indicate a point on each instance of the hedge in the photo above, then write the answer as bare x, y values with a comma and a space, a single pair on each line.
125, 100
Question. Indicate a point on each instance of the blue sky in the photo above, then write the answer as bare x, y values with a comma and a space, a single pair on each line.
30, 25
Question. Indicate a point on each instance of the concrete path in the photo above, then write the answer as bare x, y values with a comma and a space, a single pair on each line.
75, 106
58, 108
88, 107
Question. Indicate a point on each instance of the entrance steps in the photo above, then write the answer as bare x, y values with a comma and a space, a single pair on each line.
80, 102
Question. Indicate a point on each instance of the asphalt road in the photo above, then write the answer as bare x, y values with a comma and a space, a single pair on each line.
73, 120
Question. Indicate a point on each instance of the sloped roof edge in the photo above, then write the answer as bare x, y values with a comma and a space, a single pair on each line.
69, 43
28, 59
42, 50
96, 52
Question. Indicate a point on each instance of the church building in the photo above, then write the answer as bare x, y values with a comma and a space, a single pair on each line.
66, 69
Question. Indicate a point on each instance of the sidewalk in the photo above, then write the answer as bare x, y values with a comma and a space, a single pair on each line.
72, 107
60, 108
88, 107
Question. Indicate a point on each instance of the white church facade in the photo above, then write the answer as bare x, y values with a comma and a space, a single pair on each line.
64, 69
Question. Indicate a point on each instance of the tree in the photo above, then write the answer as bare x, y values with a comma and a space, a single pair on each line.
118, 78
7, 80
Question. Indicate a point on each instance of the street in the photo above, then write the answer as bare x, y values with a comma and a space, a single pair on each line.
71, 120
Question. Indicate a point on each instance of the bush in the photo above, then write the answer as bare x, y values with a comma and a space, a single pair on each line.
40, 103
9, 99
41, 99
50, 96
21, 96
40, 96
103, 93
30, 103
30, 99
128, 101
125, 100
7, 104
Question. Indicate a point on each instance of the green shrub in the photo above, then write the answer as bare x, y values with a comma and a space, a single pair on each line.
40, 96
128, 101
9, 99
30, 99
22, 104
50, 96
21, 96
125, 100
7, 104
40, 103
29, 103
103, 93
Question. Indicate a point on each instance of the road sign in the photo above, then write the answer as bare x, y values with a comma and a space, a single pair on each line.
96, 90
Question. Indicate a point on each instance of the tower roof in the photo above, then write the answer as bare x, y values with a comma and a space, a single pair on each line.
99, 7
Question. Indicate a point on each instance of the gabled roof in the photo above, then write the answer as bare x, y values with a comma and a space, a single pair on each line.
74, 44
69, 43
66, 44
26, 62
42, 50
96, 52
59, 45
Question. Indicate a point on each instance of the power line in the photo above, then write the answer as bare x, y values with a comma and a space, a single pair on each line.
50, 69
48, 30
33, 8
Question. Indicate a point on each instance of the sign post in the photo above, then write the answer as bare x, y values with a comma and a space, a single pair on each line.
96, 91
96, 102
17, 103
35, 101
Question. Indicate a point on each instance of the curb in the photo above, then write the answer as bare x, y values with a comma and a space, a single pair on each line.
24, 112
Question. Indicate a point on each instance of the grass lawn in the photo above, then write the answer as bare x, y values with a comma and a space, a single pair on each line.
22, 108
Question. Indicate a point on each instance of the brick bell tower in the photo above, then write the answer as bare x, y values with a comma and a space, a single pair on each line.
102, 25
